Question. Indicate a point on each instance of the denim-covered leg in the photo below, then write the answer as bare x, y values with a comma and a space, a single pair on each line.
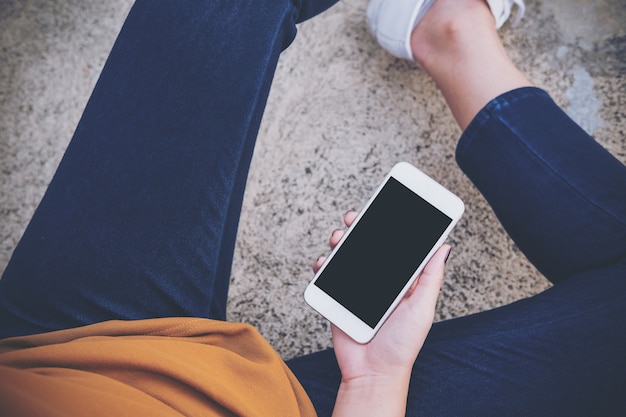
557, 192
140, 219
560, 353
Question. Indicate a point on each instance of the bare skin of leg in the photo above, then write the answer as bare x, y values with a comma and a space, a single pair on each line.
457, 44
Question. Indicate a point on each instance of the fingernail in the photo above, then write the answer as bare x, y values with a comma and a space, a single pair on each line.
448, 255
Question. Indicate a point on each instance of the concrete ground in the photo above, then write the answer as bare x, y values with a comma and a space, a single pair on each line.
340, 114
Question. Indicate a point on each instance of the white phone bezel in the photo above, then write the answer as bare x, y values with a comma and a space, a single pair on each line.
431, 191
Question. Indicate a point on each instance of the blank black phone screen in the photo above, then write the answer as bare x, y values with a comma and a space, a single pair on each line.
382, 252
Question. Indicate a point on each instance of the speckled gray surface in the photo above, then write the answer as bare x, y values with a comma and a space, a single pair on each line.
340, 114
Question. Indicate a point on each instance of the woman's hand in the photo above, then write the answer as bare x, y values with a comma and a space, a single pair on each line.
385, 362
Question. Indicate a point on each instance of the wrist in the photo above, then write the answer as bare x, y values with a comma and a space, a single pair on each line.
394, 379
378, 395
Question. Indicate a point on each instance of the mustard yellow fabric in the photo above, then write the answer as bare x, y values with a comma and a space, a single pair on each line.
156, 367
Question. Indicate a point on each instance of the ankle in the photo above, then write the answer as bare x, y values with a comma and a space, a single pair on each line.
449, 28
457, 44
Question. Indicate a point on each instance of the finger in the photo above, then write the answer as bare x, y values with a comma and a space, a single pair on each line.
444, 248
335, 237
432, 275
318, 263
349, 217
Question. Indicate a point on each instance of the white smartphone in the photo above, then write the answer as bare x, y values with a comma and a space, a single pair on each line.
383, 252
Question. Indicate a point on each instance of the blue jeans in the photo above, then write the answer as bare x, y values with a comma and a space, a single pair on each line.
140, 219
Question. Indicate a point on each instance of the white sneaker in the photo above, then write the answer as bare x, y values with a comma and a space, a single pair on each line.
501, 10
391, 22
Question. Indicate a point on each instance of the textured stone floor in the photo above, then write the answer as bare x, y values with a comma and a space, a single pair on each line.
340, 114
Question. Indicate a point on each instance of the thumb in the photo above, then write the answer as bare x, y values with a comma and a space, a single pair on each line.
427, 286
